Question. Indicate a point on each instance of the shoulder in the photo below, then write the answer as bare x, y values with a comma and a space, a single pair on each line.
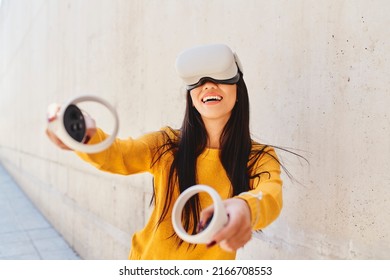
261, 149
167, 136
161, 142
261, 153
160, 136
170, 133
256, 146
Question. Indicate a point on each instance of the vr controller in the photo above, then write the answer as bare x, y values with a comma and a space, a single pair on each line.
70, 126
217, 222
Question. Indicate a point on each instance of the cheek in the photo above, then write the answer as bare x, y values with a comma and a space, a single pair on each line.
194, 97
231, 93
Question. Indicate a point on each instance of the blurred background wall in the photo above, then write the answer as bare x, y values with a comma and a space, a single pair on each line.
318, 78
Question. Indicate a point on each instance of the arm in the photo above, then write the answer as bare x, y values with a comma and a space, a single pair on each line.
265, 199
123, 157
127, 156
252, 210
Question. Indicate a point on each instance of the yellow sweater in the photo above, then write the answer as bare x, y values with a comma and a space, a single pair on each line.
133, 156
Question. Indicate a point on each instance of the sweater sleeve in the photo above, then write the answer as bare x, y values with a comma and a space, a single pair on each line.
265, 199
124, 156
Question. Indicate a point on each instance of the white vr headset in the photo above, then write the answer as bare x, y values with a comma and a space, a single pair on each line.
216, 63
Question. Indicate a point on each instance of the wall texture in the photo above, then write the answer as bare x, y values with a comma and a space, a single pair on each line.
318, 76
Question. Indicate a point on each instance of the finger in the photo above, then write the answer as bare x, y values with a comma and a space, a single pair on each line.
231, 229
91, 128
235, 233
205, 218
56, 140
236, 242
89, 122
52, 111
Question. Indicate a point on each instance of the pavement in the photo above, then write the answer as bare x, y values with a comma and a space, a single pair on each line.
25, 234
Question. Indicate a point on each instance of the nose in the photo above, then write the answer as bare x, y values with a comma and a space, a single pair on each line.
209, 85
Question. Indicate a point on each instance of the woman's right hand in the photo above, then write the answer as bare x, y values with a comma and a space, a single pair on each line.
52, 114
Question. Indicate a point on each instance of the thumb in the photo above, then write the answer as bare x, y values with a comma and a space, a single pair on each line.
52, 111
205, 218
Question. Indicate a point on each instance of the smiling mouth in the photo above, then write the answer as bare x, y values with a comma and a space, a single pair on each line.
211, 98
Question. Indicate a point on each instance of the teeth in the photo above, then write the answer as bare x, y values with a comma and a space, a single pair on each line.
211, 98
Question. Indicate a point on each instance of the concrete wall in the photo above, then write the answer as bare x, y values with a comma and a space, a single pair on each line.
318, 76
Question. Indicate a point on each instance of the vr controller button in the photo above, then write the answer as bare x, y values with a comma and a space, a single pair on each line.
74, 123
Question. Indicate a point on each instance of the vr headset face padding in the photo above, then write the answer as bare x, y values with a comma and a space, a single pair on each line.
216, 62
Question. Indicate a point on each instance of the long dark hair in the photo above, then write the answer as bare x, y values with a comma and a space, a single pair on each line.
236, 154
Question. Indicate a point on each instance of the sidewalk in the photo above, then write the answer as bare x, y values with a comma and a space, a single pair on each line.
24, 233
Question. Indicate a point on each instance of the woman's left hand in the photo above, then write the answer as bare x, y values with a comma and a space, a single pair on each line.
237, 232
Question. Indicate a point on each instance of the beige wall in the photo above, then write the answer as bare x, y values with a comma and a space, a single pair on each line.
318, 76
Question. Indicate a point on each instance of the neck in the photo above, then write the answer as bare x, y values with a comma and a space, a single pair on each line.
214, 130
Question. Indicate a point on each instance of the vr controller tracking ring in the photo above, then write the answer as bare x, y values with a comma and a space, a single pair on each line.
217, 222
70, 125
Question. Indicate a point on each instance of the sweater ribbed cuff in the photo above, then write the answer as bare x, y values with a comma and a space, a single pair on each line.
253, 201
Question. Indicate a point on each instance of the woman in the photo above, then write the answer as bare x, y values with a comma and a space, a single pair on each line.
213, 147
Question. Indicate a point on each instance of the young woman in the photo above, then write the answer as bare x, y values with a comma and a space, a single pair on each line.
213, 147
